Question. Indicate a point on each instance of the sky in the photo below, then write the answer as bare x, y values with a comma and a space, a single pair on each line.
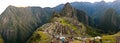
41, 3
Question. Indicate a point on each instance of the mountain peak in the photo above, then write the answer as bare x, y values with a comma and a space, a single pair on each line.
68, 4
10, 6
68, 11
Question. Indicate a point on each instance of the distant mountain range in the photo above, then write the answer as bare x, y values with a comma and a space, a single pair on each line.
17, 24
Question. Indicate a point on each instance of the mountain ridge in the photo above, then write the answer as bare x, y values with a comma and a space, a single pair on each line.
18, 23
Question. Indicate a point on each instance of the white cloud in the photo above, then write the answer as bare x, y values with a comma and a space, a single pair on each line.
41, 3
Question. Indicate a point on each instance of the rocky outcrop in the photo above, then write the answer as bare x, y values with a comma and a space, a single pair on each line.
69, 11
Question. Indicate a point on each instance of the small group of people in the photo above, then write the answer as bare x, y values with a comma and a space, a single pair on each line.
62, 40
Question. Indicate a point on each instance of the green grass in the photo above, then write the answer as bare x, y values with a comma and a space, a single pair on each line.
76, 41
39, 37
67, 24
92, 31
1, 40
74, 28
108, 39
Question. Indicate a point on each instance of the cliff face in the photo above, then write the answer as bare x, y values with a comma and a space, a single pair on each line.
83, 17
69, 11
18, 23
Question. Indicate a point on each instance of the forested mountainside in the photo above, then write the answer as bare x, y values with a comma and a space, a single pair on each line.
18, 23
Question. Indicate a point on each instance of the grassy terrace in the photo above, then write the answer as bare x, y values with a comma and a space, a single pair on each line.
74, 28
67, 24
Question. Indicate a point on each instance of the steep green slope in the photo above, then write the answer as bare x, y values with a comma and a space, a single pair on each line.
91, 31
18, 23
1, 39
40, 37
109, 22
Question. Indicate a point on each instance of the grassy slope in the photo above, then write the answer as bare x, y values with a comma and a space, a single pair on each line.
1, 40
39, 37
92, 31
74, 28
